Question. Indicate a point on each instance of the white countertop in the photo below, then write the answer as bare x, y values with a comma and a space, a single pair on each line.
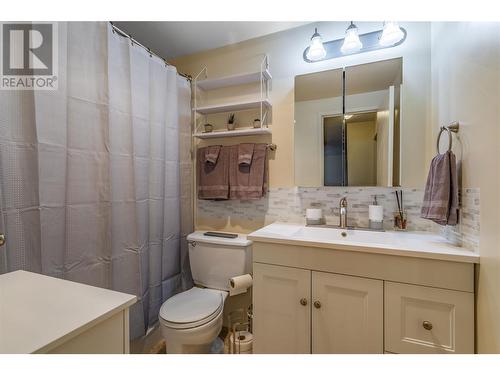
38, 313
411, 244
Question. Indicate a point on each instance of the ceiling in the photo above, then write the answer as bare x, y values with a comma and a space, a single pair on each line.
174, 39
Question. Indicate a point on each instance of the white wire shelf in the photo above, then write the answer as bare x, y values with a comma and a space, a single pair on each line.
261, 103
239, 79
233, 133
235, 106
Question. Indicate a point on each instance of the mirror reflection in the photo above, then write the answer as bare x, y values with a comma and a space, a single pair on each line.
318, 97
347, 126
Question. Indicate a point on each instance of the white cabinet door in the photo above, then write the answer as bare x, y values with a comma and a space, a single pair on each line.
420, 319
347, 314
281, 302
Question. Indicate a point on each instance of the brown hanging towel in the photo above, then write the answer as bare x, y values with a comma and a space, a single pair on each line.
213, 172
248, 181
441, 190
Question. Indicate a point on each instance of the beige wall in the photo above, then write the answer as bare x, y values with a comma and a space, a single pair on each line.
466, 87
285, 56
285, 53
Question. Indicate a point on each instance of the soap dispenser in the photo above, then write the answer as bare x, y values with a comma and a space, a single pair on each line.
376, 215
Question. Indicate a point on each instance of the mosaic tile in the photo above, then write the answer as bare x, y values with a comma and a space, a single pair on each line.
290, 204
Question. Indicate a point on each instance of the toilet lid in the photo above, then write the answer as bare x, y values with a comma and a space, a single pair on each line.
192, 306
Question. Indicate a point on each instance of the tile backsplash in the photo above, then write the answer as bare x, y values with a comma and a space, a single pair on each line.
466, 233
289, 205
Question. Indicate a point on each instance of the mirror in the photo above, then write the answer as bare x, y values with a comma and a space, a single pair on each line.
347, 126
372, 96
318, 97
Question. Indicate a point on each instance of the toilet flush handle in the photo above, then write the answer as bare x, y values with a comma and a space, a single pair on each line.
192, 243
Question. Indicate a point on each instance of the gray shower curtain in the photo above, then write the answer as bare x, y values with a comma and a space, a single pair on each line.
95, 177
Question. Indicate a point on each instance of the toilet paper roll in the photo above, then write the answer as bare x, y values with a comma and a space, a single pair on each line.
240, 284
376, 213
244, 341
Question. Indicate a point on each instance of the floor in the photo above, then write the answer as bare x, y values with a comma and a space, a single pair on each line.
161, 348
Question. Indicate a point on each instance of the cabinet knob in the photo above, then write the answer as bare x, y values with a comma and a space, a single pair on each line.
303, 301
2, 239
317, 304
427, 325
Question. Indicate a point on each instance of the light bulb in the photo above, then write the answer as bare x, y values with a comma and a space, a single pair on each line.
351, 40
316, 50
391, 34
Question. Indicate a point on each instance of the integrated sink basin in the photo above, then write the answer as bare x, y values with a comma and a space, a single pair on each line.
332, 233
358, 234
416, 244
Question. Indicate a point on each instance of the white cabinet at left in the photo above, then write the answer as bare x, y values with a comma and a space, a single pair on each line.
282, 304
42, 314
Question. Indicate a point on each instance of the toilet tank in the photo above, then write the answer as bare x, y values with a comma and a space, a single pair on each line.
215, 260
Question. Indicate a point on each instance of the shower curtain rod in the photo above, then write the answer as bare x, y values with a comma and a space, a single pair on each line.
151, 53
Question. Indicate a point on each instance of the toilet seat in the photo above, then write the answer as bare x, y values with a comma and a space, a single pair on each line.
192, 308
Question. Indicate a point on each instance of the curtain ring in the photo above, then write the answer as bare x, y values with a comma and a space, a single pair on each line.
450, 138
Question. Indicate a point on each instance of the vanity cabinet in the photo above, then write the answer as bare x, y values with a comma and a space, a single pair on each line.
325, 300
303, 311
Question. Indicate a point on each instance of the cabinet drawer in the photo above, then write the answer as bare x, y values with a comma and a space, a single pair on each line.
428, 320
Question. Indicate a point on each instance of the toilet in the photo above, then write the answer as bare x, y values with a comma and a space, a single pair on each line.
191, 321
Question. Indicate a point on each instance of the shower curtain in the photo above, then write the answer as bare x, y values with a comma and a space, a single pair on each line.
95, 176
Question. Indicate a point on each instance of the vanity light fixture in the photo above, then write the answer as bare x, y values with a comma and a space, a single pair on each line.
391, 34
351, 41
316, 50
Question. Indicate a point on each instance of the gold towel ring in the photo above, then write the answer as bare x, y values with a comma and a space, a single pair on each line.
453, 127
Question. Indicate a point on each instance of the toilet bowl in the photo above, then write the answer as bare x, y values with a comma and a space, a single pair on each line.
191, 321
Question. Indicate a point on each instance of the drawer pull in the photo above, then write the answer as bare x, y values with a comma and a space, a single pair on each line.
427, 325
317, 304
303, 301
